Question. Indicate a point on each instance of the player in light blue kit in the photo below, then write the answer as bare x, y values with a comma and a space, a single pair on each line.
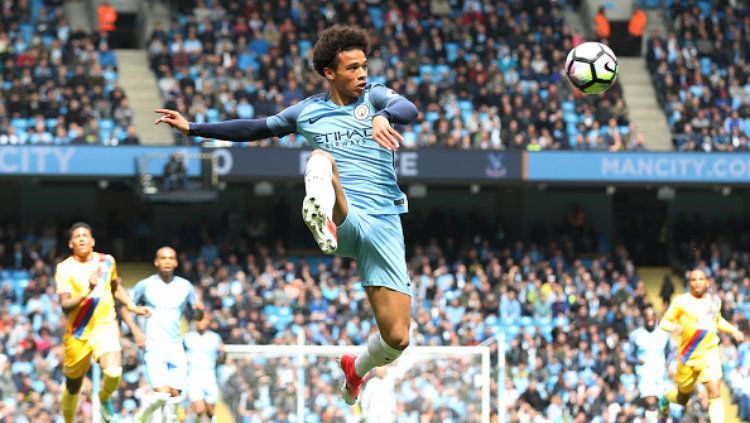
166, 295
353, 200
650, 349
203, 348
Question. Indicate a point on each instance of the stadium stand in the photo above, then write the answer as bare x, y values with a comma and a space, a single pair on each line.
566, 318
484, 75
58, 86
699, 69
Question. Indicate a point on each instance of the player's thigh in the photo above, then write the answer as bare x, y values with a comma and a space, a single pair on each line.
382, 254
76, 357
105, 345
350, 233
157, 370
211, 392
711, 375
195, 390
650, 384
177, 369
203, 388
686, 378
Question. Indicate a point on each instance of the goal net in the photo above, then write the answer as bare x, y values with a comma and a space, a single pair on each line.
300, 383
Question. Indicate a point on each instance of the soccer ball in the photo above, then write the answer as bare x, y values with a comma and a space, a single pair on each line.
591, 67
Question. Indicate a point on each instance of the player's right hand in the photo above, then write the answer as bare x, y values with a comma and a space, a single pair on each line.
677, 332
93, 280
173, 119
142, 311
140, 339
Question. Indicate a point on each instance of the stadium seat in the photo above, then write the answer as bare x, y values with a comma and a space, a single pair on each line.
377, 79
424, 70
247, 62
105, 134
304, 46
451, 51
376, 14
570, 117
212, 115
107, 124
19, 123
431, 116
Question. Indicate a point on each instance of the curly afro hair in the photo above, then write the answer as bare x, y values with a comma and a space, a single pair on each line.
336, 39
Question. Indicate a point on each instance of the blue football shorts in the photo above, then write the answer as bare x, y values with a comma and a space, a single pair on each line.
376, 242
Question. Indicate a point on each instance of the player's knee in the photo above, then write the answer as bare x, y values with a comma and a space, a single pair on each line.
683, 398
113, 371
73, 385
199, 407
398, 339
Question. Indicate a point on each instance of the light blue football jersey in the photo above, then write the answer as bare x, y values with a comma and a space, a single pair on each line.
167, 303
650, 347
366, 169
202, 351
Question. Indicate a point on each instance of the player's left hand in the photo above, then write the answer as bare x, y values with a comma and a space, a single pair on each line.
142, 311
738, 336
384, 134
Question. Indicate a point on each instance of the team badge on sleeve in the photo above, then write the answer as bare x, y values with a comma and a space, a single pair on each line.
362, 112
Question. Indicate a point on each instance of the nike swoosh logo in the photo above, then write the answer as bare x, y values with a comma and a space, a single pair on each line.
313, 120
606, 66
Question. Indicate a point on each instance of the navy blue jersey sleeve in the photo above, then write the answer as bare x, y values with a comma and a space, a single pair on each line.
232, 130
392, 106
278, 125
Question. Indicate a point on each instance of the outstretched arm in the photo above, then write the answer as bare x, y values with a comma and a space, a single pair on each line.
138, 335
726, 327
118, 291
230, 130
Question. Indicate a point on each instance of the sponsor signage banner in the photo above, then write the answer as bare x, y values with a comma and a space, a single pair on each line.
702, 168
425, 165
91, 161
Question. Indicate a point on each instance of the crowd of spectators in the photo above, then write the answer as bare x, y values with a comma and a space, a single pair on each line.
58, 86
566, 319
484, 74
700, 71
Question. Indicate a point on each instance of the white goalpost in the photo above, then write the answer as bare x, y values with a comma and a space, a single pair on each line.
470, 366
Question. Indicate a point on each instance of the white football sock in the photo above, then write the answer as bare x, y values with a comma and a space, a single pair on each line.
318, 183
377, 354
651, 416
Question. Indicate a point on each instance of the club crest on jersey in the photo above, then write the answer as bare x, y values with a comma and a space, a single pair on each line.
362, 112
